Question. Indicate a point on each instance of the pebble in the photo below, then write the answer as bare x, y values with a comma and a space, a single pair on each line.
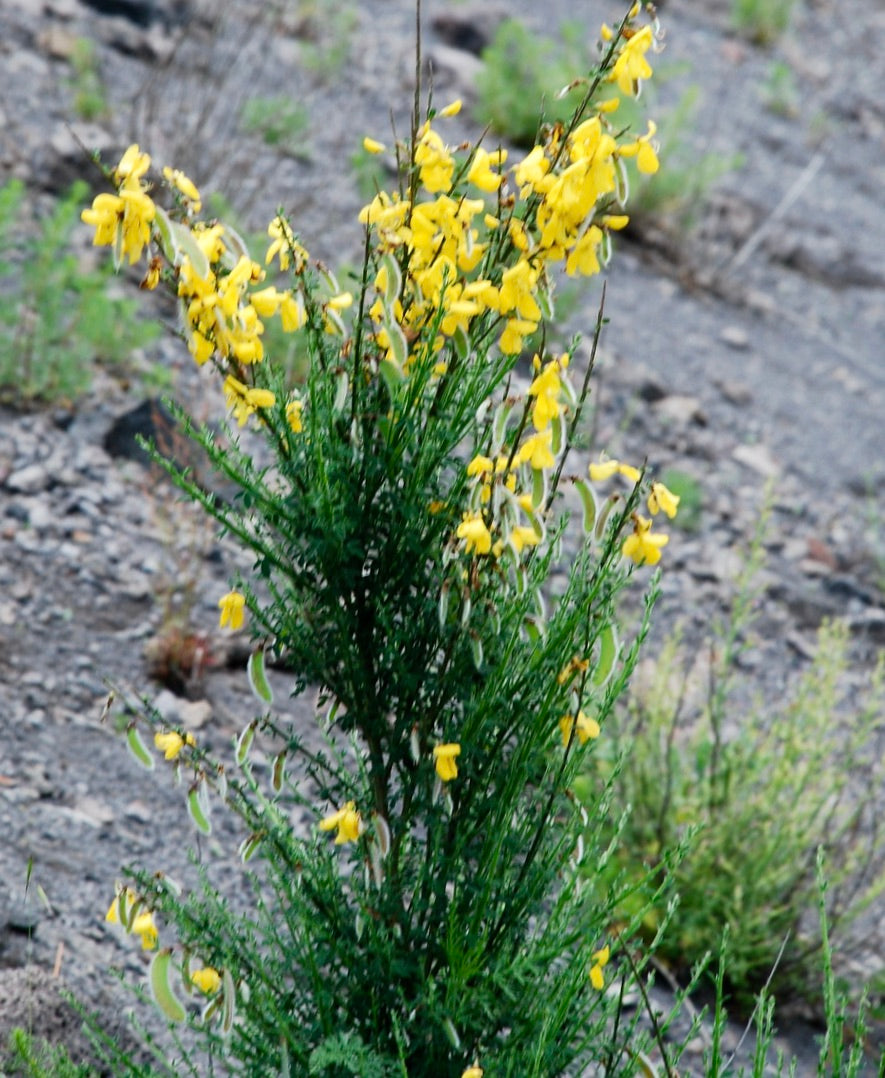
735, 337
29, 480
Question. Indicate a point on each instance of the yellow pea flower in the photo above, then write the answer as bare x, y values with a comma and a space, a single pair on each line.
661, 499
145, 927
473, 1072
481, 174
479, 465
171, 743
605, 469
348, 822
206, 979
537, 450
475, 534
444, 758
371, 145
642, 547
586, 729
294, 411
452, 109
185, 186
631, 66
231, 606
600, 960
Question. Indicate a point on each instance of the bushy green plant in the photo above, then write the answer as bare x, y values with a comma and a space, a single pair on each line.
762, 21
90, 99
58, 319
280, 121
30, 1057
522, 75
416, 905
759, 791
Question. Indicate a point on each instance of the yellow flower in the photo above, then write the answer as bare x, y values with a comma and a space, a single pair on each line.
537, 450
436, 165
185, 186
245, 400
516, 330
479, 465
481, 174
231, 606
605, 469
586, 729
171, 743
642, 547
473, 1072
371, 145
294, 410
452, 109
660, 499
546, 389
523, 536
444, 758
600, 959
348, 822
206, 979
631, 66
145, 927
644, 151
133, 165
475, 534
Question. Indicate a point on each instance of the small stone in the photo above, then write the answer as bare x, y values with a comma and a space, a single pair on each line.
195, 714
735, 337
681, 410
28, 480
758, 458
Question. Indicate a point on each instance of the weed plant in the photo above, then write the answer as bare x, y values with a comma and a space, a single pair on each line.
58, 320
762, 793
762, 21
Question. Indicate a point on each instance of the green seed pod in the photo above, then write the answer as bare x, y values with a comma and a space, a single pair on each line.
244, 743
229, 996
258, 678
608, 653
198, 807
588, 501
138, 748
161, 989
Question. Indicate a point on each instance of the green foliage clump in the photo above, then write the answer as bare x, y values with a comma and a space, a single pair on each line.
280, 122
90, 99
521, 77
762, 21
32, 1058
748, 800
58, 319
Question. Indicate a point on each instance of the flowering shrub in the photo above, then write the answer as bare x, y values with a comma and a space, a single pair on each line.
432, 920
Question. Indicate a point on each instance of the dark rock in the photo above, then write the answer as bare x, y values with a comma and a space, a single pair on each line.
149, 420
470, 29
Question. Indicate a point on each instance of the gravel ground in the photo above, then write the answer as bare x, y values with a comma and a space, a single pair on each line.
750, 352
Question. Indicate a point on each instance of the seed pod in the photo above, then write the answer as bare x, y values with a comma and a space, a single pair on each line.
229, 996
278, 771
258, 678
138, 748
608, 653
161, 989
198, 807
244, 743
588, 501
